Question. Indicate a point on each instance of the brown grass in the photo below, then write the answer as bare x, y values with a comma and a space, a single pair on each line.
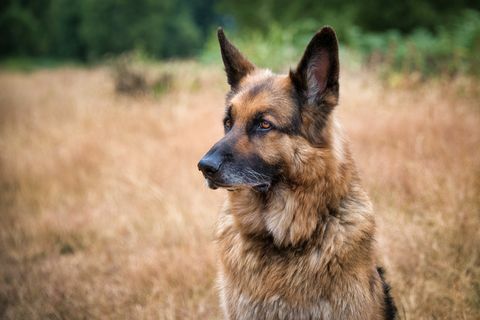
104, 215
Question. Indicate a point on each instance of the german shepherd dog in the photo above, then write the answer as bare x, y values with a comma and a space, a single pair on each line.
296, 234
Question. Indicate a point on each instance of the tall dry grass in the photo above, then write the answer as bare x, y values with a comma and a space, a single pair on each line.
104, 215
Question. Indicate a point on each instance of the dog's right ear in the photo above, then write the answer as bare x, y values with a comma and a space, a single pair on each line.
236, 65
316, 76
316, 82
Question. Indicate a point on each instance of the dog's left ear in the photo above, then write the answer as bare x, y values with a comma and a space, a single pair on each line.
316, 76
236, 65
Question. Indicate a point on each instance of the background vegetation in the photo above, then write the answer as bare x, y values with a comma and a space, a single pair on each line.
427, 36
103, 214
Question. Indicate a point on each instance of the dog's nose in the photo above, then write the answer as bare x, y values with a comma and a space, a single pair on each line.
209, 165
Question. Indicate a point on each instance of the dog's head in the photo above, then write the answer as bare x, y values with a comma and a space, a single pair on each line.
272, 120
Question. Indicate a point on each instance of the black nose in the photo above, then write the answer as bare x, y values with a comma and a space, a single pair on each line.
210, 164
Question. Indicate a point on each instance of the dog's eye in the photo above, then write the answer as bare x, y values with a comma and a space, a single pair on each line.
227, 124
264, 125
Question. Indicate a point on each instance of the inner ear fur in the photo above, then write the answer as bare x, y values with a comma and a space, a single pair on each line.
236, 65
316, 76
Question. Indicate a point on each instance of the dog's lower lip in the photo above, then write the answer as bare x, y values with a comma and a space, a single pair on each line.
215, 185
262, 187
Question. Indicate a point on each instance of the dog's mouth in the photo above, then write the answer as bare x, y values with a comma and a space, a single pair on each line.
259, 187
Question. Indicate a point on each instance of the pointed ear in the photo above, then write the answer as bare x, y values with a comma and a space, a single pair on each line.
236, 65
316, 76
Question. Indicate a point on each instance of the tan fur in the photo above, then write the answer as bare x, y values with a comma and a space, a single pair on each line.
307, 251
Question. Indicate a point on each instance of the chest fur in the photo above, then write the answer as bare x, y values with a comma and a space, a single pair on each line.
327, 276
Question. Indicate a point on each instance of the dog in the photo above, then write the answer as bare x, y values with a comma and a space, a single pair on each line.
296, 234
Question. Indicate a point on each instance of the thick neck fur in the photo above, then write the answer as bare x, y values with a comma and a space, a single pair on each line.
292, 210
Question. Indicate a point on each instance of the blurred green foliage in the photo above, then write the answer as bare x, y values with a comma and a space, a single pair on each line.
369, 15
89, 29
424, 36
274, 48
448, 49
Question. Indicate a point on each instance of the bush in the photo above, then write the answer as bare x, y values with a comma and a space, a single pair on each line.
136, 74
450, 50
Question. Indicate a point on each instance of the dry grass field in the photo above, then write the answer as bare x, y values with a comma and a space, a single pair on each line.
103, 214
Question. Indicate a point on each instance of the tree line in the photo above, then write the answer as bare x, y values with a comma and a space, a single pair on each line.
90, 29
